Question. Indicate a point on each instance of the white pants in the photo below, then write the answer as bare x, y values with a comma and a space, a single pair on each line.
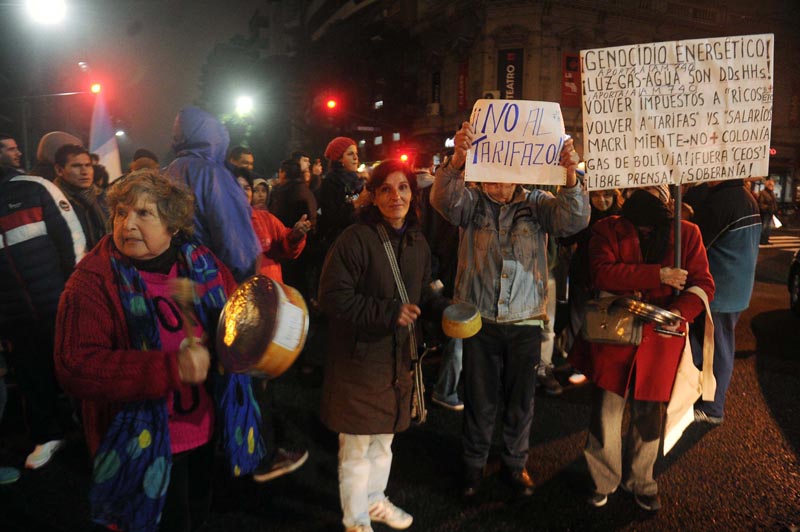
364, 465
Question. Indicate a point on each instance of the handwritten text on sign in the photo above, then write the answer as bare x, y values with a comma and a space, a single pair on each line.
516, 141
677, 112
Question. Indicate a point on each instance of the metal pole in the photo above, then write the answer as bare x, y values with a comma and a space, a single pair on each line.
678, 197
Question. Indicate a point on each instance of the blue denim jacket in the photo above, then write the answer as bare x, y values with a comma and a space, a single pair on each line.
502, 252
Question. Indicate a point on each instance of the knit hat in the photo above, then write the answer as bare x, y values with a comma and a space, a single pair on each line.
337, 147
663, 193
142, 152
51, 142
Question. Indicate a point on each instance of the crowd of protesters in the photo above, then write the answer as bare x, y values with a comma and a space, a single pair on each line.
91, 260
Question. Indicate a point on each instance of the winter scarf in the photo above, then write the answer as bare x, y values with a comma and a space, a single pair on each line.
643, 209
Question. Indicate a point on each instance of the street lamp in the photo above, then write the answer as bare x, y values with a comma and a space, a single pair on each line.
244, 105
46, 11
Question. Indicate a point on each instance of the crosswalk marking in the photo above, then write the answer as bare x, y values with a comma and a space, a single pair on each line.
783, 242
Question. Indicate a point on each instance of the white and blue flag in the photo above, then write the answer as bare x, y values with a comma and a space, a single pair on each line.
102, 139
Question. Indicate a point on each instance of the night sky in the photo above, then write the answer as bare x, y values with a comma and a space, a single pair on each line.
147, 53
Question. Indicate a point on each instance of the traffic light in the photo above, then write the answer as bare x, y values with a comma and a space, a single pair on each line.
406, 154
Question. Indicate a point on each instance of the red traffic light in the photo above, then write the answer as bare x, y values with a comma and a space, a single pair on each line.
96, 88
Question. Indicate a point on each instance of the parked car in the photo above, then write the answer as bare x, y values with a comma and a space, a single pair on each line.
794, 284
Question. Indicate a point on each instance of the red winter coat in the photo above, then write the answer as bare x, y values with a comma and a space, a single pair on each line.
616, 266
275, 244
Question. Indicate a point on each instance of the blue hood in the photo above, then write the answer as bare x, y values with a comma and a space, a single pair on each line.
198, 133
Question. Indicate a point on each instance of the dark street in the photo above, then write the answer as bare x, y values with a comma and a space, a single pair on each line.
743, 475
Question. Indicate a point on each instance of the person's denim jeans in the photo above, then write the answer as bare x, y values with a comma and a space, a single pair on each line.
724, 352
548, 329
364, 465
446, 389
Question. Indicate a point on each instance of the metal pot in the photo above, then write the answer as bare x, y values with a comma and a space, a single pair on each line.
461, 320
262, 328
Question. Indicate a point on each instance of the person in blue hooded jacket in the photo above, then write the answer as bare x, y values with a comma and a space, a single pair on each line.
222, 214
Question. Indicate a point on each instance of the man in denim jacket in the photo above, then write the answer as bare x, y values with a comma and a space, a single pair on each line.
502, 270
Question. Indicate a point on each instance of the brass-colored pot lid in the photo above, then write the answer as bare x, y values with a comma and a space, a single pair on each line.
247, 323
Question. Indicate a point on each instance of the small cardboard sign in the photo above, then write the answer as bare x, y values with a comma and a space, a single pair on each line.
516, 141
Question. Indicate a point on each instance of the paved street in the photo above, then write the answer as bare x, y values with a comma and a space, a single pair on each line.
744, 475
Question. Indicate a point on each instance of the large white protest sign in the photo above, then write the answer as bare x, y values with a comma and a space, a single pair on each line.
677, 112
516, 141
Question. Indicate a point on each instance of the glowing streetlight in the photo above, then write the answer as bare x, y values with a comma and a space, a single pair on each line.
47, 11
244, 105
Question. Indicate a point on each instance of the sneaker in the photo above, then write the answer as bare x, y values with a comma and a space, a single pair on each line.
8, 475
550, 383
577, 378
284, 462
359, 528
456, 406
521, 480
598, 499
384, 511
651, 503
42, 454
702, 417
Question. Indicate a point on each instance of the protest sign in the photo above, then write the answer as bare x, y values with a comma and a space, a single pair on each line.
516, 141
677, 112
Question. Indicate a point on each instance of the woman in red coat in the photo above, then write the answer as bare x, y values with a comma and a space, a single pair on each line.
634, 253
151, 396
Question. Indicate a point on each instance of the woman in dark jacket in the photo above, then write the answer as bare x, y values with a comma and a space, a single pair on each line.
366, 394
339, 190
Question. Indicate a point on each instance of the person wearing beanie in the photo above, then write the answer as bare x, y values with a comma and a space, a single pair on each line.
339, 190
144, 158
46, 153
260, 193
